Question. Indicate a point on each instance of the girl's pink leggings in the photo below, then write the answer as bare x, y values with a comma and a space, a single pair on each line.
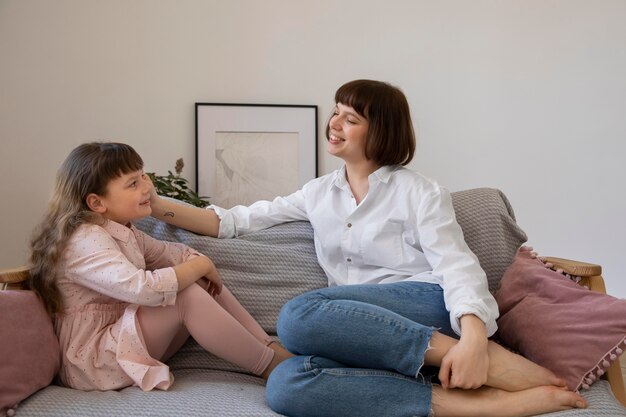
220, 325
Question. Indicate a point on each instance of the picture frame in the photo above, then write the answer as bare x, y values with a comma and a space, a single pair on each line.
251, 152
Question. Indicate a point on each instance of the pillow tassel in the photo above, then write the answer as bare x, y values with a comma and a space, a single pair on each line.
604, 363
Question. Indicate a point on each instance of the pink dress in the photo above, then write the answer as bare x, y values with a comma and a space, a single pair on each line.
105, 274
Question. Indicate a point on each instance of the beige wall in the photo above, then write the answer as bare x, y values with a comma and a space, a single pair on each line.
526, 96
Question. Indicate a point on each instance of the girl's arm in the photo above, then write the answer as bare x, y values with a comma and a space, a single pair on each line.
195, 219
192, 270
93, 259
188, 264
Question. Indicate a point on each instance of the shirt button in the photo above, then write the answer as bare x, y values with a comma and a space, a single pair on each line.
349, 224
349, 259
159, 287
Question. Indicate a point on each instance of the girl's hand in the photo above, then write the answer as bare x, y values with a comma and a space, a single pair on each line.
466, 364
214, 280
195, 269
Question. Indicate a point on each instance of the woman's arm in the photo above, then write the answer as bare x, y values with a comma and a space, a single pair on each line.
464, 282
195, 219
466, 364
473, 310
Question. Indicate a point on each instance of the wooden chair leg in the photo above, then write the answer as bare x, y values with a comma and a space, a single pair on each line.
616, 379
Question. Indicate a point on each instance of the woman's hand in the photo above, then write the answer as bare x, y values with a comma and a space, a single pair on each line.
198, 220
155, 200
466, 364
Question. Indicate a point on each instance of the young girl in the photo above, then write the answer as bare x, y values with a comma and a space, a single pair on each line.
404, 288
123, 302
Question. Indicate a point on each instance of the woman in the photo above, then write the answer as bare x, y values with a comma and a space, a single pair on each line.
404, 289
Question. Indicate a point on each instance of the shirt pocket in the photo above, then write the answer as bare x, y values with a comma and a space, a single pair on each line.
381, 244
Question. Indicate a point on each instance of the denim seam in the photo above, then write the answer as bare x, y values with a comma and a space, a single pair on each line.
356, 372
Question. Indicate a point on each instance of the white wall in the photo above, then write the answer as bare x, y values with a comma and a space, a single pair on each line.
526, 96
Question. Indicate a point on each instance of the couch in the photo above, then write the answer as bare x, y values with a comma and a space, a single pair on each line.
264, 270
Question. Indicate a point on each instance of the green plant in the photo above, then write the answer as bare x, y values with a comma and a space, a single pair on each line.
175, 186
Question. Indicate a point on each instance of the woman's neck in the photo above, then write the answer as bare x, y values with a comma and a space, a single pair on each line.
357, 176
360, 171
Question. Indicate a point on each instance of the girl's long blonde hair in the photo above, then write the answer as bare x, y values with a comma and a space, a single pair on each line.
87, 169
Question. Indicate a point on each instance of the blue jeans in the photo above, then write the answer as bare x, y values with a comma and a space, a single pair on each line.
361, 348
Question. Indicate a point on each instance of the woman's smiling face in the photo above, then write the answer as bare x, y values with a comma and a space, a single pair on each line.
347, 134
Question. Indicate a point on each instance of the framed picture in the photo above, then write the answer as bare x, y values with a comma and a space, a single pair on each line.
251, 152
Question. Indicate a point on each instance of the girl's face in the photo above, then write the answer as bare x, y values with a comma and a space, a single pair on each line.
127, 198
347, 133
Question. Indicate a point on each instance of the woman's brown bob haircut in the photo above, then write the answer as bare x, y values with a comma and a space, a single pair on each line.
390, 137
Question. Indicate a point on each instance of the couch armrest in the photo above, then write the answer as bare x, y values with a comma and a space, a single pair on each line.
576, 268
590, 277
15, 278
590, 274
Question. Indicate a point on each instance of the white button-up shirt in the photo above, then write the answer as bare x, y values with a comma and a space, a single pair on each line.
403, 230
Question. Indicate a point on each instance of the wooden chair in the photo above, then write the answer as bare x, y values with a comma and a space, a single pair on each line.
17, 279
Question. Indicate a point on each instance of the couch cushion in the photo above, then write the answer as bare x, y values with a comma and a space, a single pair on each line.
216, 393
489, 228
194, 393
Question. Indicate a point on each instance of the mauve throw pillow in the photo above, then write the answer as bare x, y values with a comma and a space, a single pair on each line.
551, 320
29, 349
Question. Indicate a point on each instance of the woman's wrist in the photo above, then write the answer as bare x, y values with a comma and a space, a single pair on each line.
473, 328
159, 207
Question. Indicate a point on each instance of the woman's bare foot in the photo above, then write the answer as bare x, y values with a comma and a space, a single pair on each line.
507, 370
280, 354
512, 372
493, 402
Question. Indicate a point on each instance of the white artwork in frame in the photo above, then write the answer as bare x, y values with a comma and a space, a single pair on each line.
251, 152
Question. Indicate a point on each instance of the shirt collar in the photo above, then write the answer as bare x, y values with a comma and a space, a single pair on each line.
340, 178
382, 174
118, 231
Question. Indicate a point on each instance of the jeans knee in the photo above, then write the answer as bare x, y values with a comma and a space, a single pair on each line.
286, 324
293, 325
281, 390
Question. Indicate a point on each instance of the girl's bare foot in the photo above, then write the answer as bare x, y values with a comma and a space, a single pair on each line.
493, 402
280, 354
